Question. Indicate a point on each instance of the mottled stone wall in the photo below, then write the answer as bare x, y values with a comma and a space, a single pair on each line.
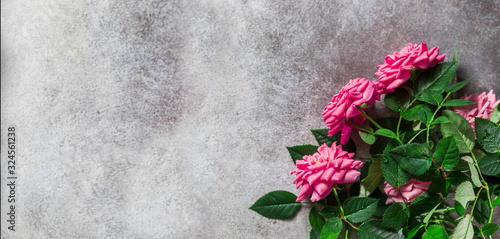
168, 119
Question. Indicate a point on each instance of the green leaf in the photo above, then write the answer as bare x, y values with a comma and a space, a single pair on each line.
386, 133
439, 185
429, 215
481, 212
440, 120
431, 174
459, 128
397, 100
496, 202
393, 173
413, 158
419, 112
315, 234
331, 229
315, 219
490, 164
495, 115
391, 124
496, 191
373, 229
365, 128
368, 138
435, 78
435, 232
431, 97
330, 212
457, 177
488, 135
489, 229
458, 102
446, 154
395, 216
464, 193
474, 175
298, 152
392, 102
321, 136
414, 231
462, 165
464, 229
478, 153
423, 203
457, 86
360, 209
468, 159
459, 209
381, 206
370, 183
477, 231
276, 205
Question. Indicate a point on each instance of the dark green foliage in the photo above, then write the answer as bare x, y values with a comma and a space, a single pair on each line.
481, 212
436, 78
360, 209
331, 229
446, 154
373, 229
490, 164
395, 216
488, 135
321, 136
489, 229
393, 173
297, 152
435, 232
413, 158
276, 205
315, 219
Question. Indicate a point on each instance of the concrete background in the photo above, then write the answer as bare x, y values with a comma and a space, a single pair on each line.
168, 119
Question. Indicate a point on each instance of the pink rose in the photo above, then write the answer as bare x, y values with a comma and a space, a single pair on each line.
396, 69
343, 107
410, 191
318, 172
486, 103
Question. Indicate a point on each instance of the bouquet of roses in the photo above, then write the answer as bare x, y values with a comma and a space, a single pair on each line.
433, 169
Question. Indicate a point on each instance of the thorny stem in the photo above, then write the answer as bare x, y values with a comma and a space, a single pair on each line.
420, 131
404, 199
440, 167
397, 129
434, 115
490, 204
485, 185
368, 117
338, 201
472, 210
342, 210
348, 222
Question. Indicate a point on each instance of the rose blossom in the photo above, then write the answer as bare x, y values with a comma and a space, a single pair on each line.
410, 191
396, 69
485, 104
343, 107
318, 173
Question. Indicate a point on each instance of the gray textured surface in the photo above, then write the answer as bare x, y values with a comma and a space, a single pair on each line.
168, 119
